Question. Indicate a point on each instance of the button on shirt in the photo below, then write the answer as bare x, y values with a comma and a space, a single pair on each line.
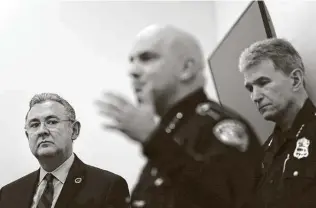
60, 175
287, 179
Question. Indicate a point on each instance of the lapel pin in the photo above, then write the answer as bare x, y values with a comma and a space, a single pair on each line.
78, 180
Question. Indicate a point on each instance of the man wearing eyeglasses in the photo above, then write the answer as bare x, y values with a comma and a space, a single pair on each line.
63, 180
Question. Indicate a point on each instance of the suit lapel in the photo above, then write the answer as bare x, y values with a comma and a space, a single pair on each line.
73, 183
27, 191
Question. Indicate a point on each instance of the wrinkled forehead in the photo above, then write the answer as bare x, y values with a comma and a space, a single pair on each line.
46, 109
264, 70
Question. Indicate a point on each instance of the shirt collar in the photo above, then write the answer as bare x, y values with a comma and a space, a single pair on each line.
186, 106
61, 172
305, 114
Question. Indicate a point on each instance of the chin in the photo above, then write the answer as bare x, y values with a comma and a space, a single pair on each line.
46, 152
269, 116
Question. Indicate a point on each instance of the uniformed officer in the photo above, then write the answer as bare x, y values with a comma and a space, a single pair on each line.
274, 75
199, 154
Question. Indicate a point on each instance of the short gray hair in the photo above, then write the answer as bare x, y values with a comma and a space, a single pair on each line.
43, 97
280, 51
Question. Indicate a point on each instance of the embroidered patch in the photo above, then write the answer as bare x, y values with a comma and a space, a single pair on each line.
301, 149
232, 133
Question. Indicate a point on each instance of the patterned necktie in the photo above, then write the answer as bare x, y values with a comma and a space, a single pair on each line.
47, 196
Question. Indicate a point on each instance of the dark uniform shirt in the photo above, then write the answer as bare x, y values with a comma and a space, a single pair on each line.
289, 164
200, 155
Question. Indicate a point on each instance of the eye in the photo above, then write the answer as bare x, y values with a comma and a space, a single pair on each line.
131, 59
52, 121
34, 124
147, 56
249, 88
263, 83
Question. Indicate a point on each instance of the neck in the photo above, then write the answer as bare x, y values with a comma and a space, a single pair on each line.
286, 120
172, 100
179, 93
50, 163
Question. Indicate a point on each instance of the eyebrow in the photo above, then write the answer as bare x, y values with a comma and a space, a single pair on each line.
260, 79
48, 117
141, 54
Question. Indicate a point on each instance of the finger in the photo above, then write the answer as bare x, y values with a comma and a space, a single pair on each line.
111, 114
112, 126
109, 106
118, 98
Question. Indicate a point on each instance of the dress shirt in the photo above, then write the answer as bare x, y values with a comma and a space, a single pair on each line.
60, 174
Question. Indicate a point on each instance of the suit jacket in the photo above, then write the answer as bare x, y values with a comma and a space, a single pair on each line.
85, 187
190, 166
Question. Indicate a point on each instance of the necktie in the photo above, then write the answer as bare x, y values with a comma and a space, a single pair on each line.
47, 196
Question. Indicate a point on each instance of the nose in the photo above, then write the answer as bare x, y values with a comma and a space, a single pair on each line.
256, 95
42, 130
135, 71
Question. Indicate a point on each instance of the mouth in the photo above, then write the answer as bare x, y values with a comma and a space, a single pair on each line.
44, 143
263, 107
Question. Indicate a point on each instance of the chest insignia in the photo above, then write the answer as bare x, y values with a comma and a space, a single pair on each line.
301, 149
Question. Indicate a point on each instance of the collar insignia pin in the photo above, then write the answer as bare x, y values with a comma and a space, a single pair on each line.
78, 180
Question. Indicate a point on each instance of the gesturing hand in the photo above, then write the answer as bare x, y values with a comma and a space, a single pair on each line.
137, 122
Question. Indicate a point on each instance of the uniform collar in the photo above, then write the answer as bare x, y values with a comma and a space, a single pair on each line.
186, 106
61, 172
305, 114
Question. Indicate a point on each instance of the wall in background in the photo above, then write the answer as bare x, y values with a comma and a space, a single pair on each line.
79, 49
292, 20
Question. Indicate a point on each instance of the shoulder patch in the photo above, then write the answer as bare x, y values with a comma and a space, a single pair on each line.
205, 109
232, 133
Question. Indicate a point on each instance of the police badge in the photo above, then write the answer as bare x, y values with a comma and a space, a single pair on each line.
232, 133
301, 149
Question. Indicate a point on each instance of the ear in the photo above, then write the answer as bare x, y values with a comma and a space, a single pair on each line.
188, 71
297, 76
75, 130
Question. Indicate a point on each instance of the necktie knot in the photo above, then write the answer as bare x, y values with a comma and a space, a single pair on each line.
49, 177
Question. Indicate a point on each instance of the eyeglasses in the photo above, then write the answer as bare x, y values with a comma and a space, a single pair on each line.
51, 123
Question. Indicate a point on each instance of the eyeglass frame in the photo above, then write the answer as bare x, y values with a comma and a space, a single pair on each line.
45, 124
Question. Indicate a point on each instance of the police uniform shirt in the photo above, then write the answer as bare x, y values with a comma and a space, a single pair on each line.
189, 166
289, 164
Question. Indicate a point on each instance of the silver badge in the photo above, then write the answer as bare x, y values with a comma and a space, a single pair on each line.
232, 133
301, 149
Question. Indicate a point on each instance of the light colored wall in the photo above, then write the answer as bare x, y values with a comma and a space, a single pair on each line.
293, 20
226, 13
79, 49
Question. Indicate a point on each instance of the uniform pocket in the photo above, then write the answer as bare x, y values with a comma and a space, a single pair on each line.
298, 176
296, 168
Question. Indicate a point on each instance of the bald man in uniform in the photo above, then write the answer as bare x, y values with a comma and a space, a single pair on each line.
199, 153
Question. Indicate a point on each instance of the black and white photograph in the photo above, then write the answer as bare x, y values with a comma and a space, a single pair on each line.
157, 104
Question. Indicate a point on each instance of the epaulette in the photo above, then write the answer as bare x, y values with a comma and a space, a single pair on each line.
228, 129
205, 109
